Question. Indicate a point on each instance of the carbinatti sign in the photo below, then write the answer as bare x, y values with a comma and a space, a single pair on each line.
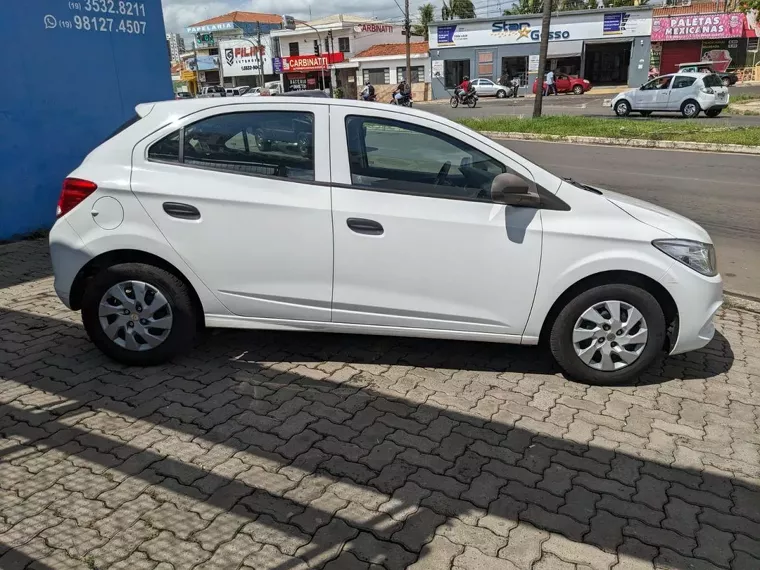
702, 27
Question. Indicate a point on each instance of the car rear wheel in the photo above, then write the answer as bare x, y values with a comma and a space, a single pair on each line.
712, 113
139, 314
501, 94
726, 82
622, 108
578, 89
609, 334
690, 109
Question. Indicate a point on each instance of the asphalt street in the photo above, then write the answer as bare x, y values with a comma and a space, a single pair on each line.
719, 191
589, 105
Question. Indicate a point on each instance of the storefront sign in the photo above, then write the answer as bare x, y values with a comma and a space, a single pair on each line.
204, 63
374, 28
522, 31
703, 27
437, 68
310, 62
244, 57
533, 61
721, 53
211, 28
277, 64
187, 75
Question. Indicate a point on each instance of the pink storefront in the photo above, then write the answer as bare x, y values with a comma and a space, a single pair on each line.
721, 38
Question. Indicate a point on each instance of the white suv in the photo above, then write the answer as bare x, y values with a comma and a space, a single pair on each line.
685, 93
331, 215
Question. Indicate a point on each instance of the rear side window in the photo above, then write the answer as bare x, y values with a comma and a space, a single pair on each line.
712, 80
259, 143
683, 81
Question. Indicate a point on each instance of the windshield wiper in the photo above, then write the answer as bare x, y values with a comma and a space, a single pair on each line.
583, 186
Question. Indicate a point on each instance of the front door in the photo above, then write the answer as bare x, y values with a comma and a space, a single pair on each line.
652, 94
237, 199
418, 242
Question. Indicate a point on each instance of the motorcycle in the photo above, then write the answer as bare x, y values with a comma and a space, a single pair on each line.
405, 101
470, 99
372, 98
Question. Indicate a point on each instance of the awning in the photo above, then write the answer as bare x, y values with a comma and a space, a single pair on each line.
346, 65
565, 49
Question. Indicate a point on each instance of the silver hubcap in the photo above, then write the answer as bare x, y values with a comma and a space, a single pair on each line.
610, 335
135, 315
690, 109
622, 107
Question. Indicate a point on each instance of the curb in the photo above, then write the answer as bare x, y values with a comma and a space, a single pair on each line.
745, 303
637, 143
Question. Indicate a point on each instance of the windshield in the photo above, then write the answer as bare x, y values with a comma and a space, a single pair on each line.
712, 80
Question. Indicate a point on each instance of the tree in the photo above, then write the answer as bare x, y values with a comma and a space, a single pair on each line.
536, 6
460, 9
427, 16
543, 50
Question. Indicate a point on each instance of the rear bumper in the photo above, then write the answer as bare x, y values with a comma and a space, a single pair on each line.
68, 255
698, 298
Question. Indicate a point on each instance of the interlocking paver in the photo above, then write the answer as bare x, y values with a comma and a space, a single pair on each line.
359, 452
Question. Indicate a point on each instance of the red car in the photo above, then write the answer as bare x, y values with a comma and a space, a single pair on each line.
567, 84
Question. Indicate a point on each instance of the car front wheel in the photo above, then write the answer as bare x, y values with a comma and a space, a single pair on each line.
609, 334
501, 94
139, 314
622, 108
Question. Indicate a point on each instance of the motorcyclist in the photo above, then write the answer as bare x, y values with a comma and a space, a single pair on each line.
402, 92
368, 93
464, 87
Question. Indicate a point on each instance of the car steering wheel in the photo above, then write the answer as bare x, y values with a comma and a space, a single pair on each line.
443, 173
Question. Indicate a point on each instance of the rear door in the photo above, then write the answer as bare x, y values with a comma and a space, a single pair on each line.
680, 90
418, 242
241, 192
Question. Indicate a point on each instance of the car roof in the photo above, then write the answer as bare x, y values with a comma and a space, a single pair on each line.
683, 73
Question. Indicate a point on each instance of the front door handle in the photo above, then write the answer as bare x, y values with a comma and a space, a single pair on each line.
182, 211
363, 226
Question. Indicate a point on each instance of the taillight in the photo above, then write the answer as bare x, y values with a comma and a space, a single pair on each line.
74, 191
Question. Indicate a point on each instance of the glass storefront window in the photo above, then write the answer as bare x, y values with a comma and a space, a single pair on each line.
454, 71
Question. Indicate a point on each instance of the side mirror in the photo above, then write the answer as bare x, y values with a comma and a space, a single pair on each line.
512, 190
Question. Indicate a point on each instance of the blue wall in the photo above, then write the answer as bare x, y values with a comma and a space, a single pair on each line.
65, 89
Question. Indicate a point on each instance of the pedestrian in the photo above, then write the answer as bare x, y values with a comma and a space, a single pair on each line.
550, 83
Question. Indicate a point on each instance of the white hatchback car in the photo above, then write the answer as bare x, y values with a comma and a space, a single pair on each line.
685, 93
336, 216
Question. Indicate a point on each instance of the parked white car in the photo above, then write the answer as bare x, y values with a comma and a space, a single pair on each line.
236, 91
685, 93
487, 88
331, 215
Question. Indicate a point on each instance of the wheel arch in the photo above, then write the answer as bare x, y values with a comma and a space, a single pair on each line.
115, 257
660, 293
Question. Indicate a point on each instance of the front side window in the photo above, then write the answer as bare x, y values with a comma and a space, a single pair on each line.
378, 76
682, 81
262, 143
658, 83
394, 156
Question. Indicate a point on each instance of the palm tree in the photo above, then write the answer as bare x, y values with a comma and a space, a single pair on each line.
427, 15
461, 9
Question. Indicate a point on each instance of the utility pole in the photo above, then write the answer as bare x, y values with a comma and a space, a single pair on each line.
408, 33
260, 56
542, 52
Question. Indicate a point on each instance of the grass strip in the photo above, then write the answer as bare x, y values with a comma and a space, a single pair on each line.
696, 130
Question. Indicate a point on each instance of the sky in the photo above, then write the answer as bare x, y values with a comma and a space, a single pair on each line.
178, 14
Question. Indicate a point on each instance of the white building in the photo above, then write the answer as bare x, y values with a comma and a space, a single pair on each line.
384, 65
316, 54
176, 45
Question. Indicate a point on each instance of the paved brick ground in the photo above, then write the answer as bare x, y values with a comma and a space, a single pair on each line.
286, 451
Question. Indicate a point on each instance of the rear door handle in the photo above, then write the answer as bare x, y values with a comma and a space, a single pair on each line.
182, 211
363, 226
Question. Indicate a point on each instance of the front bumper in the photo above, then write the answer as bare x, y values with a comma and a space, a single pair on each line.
698, 298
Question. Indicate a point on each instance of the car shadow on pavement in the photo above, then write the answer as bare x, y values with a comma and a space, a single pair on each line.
23, 262
365, 449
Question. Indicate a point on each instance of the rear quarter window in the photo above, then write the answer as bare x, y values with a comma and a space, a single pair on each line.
712, 80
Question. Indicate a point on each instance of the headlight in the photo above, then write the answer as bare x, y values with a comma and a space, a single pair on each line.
697, 255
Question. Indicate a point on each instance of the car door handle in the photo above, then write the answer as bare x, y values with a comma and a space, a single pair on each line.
182, 211
362, 226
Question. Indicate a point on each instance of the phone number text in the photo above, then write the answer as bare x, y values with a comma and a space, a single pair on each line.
103, 24
121, 7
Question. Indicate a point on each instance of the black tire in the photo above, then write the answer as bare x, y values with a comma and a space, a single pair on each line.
578, 89
645, 113
561, 336
471, 102
185, 318
501, 94
712, 113
454, 101
690, 109
622, 108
